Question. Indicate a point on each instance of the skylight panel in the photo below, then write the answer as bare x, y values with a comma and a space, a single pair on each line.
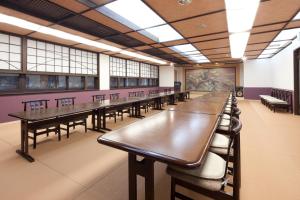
297, 17
135, 11
287, 34
183, 48
269, 51
164, 33
278, 44
264, 56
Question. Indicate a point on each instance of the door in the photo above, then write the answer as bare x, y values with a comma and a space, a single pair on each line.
297, 81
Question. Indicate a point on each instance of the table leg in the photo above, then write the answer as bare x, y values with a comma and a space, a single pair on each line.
24, 142
138, 110
104, 120
172, 100
96, 124
158, 104
144, 168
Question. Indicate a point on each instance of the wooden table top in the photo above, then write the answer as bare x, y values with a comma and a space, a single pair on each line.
83, 107
172, 137
204, 107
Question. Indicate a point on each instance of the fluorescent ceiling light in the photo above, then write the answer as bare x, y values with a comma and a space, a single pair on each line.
134, 11
240, 18
269, 51
241, 14
138, 16
297, 17
164, 33
278, 44
67, 36
183, 48
264, 56
238, 43
190, 52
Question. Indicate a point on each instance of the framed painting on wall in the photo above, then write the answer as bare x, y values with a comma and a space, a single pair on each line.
210, 79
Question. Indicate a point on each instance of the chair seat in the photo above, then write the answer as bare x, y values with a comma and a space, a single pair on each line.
225, 116
224, 122
220, 141
213, 185
214, 167
221, 151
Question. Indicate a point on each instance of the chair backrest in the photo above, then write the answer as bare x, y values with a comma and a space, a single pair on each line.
114, 96
235, 129
67, 101
140, 94
99, 98
132, 94
35, 104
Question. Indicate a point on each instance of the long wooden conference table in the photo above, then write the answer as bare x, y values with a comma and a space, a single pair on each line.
178, 136
30, 119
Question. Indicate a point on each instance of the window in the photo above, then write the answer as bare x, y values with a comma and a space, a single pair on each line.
145, 70
10, 52
133, 69
76, 82
90, 82
9, 82
47, 57
117, 67
83, 62
129, 74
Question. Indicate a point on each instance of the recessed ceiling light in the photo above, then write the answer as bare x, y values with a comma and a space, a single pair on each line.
184, 2
71, 37
297, 17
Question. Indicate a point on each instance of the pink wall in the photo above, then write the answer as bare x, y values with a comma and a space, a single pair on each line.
13, 103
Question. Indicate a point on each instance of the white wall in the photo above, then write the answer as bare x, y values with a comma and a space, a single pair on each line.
258, 73
283, 67
276, 72
166, 76
104, 72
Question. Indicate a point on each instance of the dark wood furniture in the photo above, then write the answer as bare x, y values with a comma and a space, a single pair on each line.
79, 119
60, 114
279, 99
209, 186
43, 126
178, 137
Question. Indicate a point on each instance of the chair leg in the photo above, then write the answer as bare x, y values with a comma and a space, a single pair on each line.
47, 132
68, 130
173, 186
34, 139
115, 116
58, 132
122, 115
85, 125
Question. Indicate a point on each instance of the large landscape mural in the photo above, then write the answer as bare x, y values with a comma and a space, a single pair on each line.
213, 79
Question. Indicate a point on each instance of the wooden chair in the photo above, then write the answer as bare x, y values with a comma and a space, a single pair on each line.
43, 126
118, 111
79, 119
211, 178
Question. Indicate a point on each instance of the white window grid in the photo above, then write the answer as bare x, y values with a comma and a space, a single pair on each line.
145, 70
10, 52
154, 71
47, 57
133, 68
83, 62
117, 67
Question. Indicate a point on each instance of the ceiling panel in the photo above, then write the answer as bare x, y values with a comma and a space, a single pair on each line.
294, 24
213, 23
216, 51
209, 37
140, 37
219, 56
252, 47
262, 37
276, 11
142, 47
98, 17
268, 28
212, 44
171, 10
73, 5
253, 53
175, 42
